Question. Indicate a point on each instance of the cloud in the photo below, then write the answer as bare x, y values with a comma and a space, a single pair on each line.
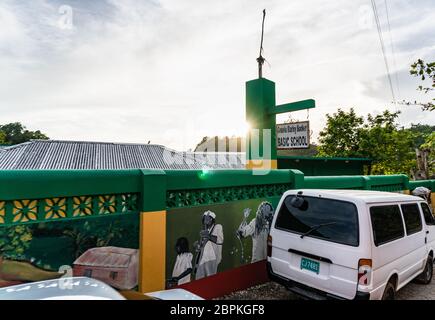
173, 71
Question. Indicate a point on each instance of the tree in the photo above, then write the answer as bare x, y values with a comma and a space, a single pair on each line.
342, 135
378, 138
424, 71
2, 137
14, 133
421, 132
14, 241
389, 146
429, 147
91, 233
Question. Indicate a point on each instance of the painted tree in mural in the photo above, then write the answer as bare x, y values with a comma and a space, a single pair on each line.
14, 241
100, 233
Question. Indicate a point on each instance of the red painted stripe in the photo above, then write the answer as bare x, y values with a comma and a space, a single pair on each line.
229, 281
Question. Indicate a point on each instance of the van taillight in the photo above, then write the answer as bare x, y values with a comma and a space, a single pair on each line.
269, 246
364, 271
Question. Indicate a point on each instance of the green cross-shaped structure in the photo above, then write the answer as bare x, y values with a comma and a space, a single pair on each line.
261, 111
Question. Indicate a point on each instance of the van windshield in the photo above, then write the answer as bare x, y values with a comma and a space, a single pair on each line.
338, 220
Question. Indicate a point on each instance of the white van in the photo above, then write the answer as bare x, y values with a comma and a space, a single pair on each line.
350, 244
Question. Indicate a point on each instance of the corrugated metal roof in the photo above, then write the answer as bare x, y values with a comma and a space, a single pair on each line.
59, 154
220, 160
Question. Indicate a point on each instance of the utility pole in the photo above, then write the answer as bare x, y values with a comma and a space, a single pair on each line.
260, 58
261, 111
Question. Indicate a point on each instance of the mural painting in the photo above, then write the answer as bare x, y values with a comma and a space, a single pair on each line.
104, 248
205, 240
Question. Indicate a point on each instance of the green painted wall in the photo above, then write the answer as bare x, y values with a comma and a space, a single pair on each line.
34, 249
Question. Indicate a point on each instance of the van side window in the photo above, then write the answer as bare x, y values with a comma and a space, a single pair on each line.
412, 218
428, 217
387, 224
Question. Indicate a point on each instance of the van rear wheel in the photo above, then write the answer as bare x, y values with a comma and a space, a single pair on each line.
426, 276
389, 292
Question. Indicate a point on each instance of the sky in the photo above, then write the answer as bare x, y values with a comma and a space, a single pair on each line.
171, 71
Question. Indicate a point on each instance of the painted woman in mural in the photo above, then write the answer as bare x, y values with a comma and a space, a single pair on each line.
183, 263
258, 229
209, 247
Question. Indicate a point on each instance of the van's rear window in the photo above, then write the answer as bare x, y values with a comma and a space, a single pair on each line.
341, 218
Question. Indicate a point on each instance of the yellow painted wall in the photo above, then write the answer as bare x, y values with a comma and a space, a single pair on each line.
152, 248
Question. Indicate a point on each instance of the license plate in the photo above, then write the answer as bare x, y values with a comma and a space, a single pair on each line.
310, 265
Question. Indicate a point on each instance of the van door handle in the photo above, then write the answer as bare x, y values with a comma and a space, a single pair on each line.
427, 231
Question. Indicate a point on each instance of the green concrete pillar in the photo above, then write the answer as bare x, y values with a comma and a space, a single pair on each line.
260, 96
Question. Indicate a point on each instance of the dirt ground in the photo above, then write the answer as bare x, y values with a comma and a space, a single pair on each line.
274, 291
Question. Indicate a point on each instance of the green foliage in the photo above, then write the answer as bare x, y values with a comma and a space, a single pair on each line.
14, 241
421, 133
14, 133
2, 137
424, 71
429, 144
51, 244
378, 138
342, 134
99, 233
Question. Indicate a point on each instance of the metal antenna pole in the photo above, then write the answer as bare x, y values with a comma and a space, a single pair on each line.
260, 59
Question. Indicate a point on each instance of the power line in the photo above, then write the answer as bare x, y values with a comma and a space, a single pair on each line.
381, 39
393, 51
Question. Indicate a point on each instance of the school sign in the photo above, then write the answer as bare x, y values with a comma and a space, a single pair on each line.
293, 135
